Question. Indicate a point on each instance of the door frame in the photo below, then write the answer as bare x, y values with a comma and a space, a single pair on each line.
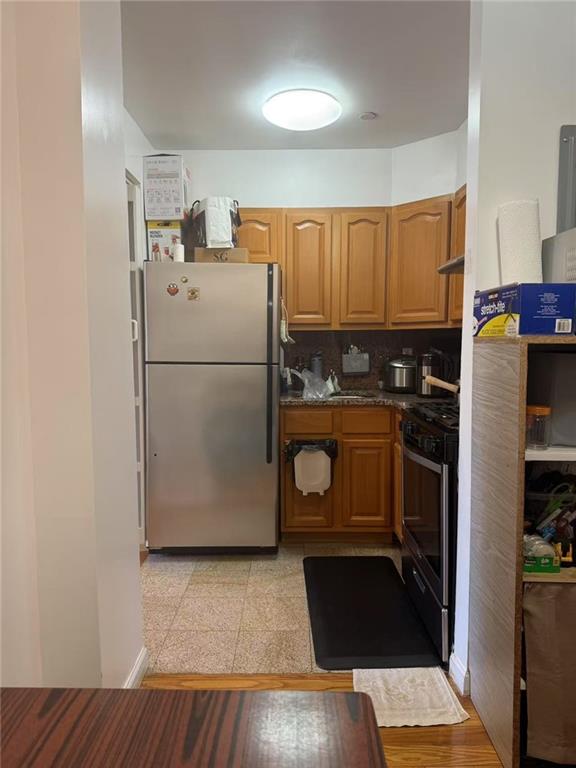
137, 243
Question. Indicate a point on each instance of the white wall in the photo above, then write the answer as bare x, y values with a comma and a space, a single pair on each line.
292, 178
318, 177
55, 359
425, 168
19, 618
461, 153
70, 592
522, 89
136, 145
112, 387
528, 90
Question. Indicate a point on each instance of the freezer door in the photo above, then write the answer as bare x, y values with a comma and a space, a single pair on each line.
212, 477
212, 313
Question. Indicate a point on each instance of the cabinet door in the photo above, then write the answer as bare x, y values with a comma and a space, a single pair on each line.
260, 233
398, 490
363, 267
457, 248
419, 245
311, 511
367, 483
309, 267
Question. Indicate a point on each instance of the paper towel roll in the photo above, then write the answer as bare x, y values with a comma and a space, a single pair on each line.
178, 252
520, 242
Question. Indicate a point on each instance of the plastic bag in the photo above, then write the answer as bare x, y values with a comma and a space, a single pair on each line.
536, 546
315, 388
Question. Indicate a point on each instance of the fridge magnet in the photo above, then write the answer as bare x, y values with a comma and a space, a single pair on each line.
172, 289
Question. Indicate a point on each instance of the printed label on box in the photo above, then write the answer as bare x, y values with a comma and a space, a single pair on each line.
525, 308
162, 237
164, 187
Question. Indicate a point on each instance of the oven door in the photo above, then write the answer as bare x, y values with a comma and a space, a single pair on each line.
426, 518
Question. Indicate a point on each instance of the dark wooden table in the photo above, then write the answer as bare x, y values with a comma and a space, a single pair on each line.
80, 728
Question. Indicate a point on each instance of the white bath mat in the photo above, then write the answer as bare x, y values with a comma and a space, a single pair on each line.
413, 696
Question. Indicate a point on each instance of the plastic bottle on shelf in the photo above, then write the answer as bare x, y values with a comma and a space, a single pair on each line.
538, 426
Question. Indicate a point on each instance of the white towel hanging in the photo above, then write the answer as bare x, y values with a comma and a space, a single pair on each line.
284, 332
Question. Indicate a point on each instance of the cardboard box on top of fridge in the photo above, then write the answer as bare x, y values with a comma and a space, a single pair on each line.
162, 237
518, 309
221, 255
166, 187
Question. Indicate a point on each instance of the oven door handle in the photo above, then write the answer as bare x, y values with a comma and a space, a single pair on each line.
431, 465
445, 533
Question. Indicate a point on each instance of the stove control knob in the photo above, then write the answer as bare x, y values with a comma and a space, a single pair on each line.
409, 428
431, 444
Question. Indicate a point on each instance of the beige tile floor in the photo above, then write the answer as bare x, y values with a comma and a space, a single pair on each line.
225, 614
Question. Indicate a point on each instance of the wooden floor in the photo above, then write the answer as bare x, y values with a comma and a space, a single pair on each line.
465, 745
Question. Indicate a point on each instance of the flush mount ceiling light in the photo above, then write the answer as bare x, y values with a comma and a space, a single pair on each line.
302, 110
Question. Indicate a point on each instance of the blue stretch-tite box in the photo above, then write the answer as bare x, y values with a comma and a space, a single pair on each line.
519, 309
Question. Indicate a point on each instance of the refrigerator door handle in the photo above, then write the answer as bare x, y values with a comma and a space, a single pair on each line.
269, 314
269, 371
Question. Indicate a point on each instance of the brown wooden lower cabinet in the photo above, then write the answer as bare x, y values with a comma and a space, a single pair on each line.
305, 512
361, 497
367, 482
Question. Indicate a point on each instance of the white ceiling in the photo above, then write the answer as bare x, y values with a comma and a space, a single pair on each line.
197, 73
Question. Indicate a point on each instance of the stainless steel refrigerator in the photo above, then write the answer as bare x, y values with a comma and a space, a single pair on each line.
212, 400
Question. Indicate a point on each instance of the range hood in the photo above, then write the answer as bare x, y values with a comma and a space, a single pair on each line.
452, 267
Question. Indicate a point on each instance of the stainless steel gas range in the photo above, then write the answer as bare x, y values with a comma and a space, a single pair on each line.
430, 505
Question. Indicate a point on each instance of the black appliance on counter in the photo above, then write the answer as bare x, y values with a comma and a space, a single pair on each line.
430, 507
433, 363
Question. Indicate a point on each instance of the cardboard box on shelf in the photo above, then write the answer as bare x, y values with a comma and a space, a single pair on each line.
541, 564
520, 309
221, 255
166, 181
162, 237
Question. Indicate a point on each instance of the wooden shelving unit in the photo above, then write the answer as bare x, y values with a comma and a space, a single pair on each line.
566, 576
526, 341
552, 453
499, 455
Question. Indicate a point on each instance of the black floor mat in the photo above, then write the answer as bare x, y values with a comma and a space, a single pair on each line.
362, 617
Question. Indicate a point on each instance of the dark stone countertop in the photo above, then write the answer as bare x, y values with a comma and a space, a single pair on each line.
368, 397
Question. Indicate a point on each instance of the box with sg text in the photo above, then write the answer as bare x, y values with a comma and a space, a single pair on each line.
519, 309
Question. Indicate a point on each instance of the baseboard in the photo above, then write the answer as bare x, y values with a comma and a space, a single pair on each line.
338, 537
460, 675
138, 670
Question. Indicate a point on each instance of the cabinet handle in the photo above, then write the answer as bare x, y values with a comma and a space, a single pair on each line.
134, 328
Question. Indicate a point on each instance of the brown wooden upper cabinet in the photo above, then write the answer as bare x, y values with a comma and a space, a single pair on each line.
363, 267
457, 248
420, 243
261, 233
309, 267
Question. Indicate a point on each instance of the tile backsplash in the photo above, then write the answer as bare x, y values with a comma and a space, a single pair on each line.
379, 344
